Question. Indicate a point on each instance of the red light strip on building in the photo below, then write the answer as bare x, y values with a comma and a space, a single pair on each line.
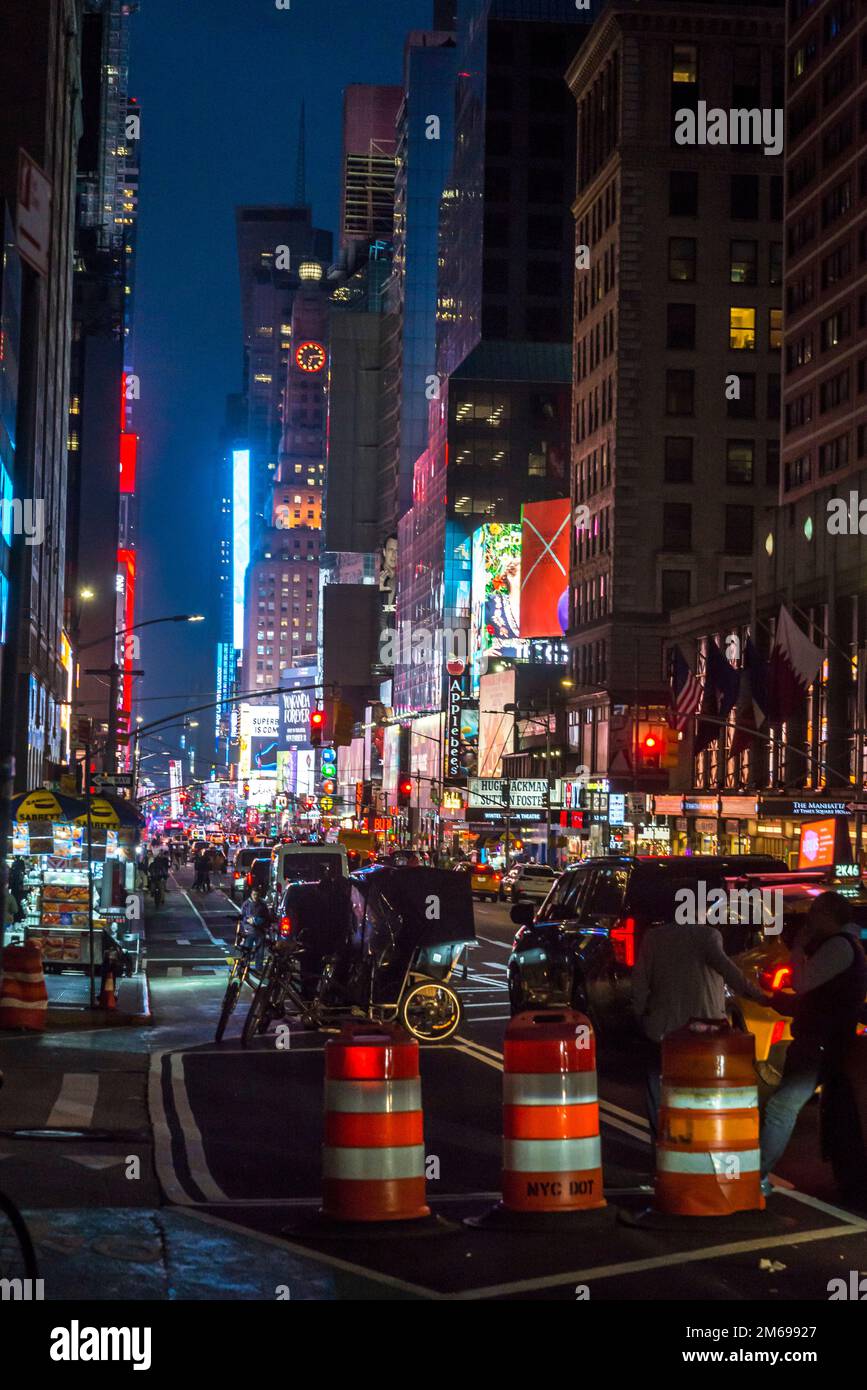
126, 562
128, 461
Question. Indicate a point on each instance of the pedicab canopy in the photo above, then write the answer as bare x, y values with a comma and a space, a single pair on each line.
433, 907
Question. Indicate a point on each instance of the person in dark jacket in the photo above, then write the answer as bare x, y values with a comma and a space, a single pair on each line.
255, 924
829, 979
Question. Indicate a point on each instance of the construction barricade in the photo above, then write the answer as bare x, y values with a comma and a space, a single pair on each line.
23, 995
707, 1154
373, 1154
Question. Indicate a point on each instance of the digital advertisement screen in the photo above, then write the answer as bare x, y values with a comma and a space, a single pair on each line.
545, 568
816, 844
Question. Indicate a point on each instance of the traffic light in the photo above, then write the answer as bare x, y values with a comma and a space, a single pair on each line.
246, 790
670, 748
651, 749
317, 727
404, 791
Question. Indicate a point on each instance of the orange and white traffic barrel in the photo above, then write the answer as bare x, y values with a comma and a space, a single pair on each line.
23, 996
551, 1148
707, 1154
373, 1154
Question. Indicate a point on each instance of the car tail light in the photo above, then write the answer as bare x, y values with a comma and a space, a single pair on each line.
622, 936
249, 880
776, 977
777, 1031
285, 926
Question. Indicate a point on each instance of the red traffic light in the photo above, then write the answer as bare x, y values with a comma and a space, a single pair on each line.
317, 718
651, 742
406, 786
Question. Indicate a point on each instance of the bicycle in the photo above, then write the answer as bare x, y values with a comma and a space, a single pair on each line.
17, 1255
240, 966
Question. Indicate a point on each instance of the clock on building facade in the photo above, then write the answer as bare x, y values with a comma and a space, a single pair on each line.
310, 356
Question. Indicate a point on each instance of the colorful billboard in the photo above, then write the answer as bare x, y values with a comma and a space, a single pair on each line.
544, 610
496, 727
496, 594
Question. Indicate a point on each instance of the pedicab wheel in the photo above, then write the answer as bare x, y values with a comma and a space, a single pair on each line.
17, 1255
431, 1011
230, 999
257, 1016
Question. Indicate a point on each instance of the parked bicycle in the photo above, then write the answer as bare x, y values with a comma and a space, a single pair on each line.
242, 964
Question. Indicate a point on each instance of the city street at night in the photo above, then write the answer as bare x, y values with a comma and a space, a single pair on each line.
433, 713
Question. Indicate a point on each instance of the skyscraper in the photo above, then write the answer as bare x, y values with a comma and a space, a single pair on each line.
369, 143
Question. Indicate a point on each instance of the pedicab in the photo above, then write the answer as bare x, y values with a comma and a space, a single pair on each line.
384, 947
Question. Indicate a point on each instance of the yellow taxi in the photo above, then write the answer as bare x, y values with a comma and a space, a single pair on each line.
766, 958
484, 880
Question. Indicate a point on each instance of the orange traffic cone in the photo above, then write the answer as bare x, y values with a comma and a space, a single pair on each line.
108, 993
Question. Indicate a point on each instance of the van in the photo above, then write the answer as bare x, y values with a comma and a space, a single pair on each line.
294, 863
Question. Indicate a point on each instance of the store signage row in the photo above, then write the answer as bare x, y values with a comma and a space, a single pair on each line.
736, 807
785, 806
495, 819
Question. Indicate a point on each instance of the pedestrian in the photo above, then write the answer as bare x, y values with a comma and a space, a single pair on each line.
829, 980
17, 873
681, 973
254, 925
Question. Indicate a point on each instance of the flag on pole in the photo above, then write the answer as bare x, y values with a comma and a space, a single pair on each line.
685, 691
793, 666
752, 703
721, 682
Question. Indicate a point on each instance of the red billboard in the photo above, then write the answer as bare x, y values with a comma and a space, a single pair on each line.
545, 568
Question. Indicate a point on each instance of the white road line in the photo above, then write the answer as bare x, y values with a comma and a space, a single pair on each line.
606, 1119
76, 1102
502, 945
625, 1114
193, 1142
163, 1163
315, 1256
470, 1042
829, 1210
479, 1057
213, 940
681, 1257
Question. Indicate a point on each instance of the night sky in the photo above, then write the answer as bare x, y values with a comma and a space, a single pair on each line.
220, 83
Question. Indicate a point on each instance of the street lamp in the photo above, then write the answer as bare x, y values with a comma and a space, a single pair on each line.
113, 671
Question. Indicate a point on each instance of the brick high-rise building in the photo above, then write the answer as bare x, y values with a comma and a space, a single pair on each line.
678, 327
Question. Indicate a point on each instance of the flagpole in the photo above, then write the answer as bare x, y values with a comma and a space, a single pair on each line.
756, 733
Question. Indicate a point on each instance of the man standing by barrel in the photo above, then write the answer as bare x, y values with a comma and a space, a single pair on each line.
829, 979
681, 973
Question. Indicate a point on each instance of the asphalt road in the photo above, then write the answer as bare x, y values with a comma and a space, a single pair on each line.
233, 1136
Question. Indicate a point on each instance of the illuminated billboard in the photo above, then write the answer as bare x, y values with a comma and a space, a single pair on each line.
240, 539
545, 568
496, 594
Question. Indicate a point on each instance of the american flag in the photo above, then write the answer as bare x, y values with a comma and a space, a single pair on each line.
685, 692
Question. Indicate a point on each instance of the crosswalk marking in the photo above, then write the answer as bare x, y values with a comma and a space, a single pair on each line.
76, 1102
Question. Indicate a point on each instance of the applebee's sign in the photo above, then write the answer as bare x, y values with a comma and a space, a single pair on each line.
455, 673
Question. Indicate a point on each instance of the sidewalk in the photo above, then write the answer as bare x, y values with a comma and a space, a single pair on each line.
168, 1254
69, 1003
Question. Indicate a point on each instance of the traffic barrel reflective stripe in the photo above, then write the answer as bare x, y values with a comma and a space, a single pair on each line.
708, 1161
23, 995
373, 1157
551, 1150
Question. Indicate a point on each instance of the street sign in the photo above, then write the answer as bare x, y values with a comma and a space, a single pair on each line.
858, 807
114, 779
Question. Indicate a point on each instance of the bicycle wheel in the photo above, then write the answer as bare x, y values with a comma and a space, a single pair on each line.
230, 999
17, 1255
257, 1014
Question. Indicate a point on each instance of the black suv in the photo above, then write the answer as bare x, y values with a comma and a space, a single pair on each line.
579, 947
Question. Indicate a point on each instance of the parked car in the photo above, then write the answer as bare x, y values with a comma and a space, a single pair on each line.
244, 859
484, 879
527, 881
579, 948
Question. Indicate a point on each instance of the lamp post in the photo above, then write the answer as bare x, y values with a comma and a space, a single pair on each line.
113, 672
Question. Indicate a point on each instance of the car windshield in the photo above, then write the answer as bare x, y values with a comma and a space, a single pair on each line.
308, 867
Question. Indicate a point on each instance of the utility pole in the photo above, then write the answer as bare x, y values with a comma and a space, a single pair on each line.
548, 776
